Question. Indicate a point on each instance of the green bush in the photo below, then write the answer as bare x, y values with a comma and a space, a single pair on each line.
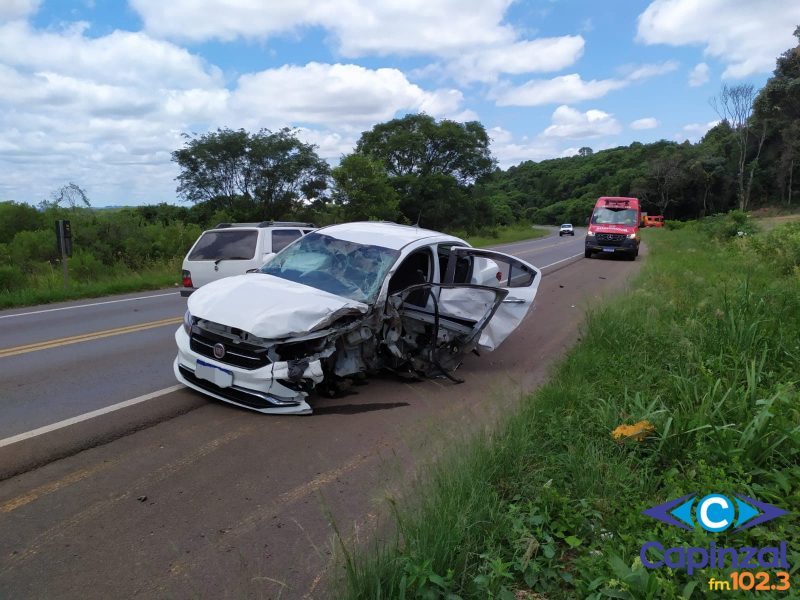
11, 278
29, 247
729, 225
781, 247
84, 266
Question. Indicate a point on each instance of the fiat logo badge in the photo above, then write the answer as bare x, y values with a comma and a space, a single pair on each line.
219, 350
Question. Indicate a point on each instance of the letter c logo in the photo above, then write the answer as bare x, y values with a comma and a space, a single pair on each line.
715, 513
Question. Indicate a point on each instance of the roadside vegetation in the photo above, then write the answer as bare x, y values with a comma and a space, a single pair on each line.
123, 250
705, 348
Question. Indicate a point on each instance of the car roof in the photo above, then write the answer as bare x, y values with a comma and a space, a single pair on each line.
382, 233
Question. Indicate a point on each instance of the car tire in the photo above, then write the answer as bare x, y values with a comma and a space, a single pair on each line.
587, 254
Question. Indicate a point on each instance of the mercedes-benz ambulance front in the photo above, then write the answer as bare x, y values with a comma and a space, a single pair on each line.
614, 227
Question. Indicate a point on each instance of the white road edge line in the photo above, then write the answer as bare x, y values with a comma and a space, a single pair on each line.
562, 260
47, 310
86, 416
102, 411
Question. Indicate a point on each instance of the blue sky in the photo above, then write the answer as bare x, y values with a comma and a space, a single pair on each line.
98, 92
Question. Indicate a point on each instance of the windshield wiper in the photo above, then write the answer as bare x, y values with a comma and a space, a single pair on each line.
216, 262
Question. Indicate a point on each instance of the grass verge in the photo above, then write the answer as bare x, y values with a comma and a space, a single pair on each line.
706, 348
505, 235
48, 286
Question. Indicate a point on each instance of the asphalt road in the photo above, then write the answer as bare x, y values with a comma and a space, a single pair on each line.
222, 502
129, 351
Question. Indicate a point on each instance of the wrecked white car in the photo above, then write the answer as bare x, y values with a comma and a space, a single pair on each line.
345, 301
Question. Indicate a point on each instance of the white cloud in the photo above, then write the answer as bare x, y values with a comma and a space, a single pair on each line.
121, 57
638, 73
468, 35
510, 151
106, 112
17, 9
530, 56
745, 34
694, 131
342, 95
360, 27
698, 75
645, 123
568, 89
570, 123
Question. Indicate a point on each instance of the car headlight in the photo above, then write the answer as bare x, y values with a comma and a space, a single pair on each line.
590, 234
631, 236
187, 322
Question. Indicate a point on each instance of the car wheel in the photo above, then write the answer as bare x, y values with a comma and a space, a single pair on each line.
587, 254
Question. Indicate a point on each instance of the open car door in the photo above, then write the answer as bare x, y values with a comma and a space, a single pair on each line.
433, 325
518, 279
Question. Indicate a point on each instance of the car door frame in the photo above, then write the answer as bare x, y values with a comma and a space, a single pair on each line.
509, 316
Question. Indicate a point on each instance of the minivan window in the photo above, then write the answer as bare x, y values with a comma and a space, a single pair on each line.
225, 245
283, 237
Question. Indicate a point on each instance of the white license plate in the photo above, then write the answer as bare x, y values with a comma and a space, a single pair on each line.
221, 377
608, 249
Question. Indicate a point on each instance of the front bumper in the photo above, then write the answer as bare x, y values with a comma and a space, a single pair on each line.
626, 246
261, 389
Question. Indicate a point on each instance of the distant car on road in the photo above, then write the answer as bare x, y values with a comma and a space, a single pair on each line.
345, 301
235, 248
566, 229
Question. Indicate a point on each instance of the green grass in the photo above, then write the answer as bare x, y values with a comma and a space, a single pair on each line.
706, 347
505, 235
47, 286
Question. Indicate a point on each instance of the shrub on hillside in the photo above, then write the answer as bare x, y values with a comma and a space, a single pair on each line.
11, 278
781, 246
84, 266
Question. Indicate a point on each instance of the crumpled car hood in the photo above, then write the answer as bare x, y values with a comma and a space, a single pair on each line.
270, 307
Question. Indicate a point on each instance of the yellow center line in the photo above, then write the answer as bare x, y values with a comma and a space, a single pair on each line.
53, 486
86, 337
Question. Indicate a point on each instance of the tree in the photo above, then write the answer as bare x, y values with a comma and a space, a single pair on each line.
363, 189
71, 195
418, 145
272, 171
585, 151
779, 104
16, 217
431, 165
734, 104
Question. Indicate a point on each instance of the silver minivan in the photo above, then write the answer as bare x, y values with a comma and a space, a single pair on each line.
236, 248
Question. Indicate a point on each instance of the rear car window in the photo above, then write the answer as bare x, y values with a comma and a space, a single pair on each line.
225, 245
283, 237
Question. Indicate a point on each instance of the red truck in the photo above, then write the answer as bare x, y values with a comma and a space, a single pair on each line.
614, 227
654, 221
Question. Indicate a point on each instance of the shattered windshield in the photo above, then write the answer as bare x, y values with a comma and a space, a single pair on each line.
354, 271
614, 216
